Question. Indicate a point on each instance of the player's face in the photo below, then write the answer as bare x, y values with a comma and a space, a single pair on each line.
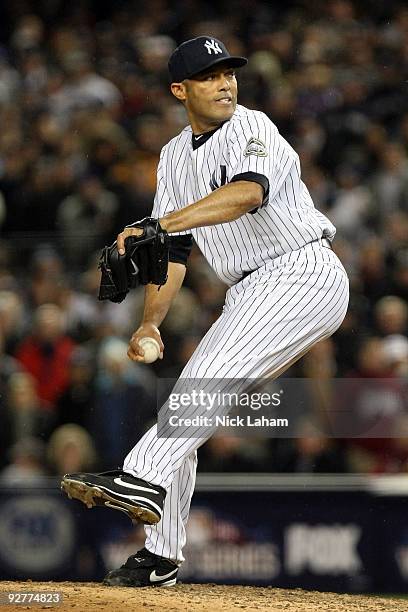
210, 98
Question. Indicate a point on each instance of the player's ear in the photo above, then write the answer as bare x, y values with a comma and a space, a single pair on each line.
179, 91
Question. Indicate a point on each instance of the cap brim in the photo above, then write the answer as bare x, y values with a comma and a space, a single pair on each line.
233, 61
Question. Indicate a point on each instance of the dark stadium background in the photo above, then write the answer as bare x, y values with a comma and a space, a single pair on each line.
84, 112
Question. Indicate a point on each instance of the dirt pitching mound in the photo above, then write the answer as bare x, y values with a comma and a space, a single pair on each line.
91, 596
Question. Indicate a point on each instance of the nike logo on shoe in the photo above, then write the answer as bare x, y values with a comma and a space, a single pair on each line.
135, 268
129, 485
155, 578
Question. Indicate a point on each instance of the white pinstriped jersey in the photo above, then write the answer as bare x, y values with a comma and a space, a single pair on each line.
248, 144
294, 298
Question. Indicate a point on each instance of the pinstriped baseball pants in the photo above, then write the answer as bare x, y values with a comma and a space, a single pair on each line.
270, 319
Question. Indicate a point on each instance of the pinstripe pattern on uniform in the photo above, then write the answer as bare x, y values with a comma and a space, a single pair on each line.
295, 295
269, 319
286, 221
180, 493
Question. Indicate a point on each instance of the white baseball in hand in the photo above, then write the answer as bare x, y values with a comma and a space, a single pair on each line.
151, 349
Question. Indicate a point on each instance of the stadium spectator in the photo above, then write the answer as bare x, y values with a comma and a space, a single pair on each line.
86, 219
77, 402
26, 415
8, 365
27, 465
233, 454
12, 318
71, 448
46, 352
125, 401
395, 349
376, 401
85, 109
310, 451
391, 314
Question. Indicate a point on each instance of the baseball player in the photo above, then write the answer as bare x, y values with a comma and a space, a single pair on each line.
232, 183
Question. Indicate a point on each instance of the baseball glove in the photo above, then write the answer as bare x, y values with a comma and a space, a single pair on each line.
145, 261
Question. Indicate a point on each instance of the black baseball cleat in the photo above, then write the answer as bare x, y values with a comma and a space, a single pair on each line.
143, 569
140, 500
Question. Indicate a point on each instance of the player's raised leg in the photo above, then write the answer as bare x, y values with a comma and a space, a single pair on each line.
297, 304
270, 319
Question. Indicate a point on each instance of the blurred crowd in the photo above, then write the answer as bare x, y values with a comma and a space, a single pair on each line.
85, 109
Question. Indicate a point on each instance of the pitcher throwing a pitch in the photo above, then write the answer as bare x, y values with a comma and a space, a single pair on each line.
232, 183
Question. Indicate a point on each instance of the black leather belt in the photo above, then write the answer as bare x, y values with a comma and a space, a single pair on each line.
325, 242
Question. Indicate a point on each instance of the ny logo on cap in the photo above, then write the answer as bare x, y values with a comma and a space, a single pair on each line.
212, 46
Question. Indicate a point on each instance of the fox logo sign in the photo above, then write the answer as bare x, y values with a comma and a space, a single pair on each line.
322, 549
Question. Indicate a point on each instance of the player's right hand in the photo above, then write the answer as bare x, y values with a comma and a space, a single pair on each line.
146, 330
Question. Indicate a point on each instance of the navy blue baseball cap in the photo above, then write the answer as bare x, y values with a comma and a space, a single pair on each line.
199, 54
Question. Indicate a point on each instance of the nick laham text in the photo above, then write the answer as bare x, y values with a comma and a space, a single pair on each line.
227, 421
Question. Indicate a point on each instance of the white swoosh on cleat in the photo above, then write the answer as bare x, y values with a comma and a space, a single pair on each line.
128, 485
155, 578
135, 268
